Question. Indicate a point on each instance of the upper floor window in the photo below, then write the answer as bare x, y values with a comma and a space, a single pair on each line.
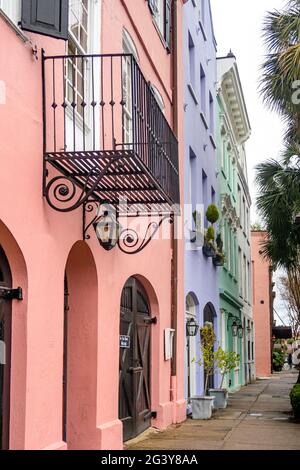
161, 10
211, 114
79, 43
192, 60
12, 9
79, 24
203, 90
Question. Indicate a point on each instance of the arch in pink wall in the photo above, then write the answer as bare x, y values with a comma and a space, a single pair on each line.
80, 349
18, 268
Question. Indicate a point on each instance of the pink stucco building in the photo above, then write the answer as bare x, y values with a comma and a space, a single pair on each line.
262, 305
69, 381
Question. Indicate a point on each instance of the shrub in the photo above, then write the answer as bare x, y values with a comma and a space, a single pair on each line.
210, 234
295, 400
212, 214
278, 360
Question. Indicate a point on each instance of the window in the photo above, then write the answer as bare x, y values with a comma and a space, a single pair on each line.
249, 283
203, 90
245, 286
12, 8
244, 215
78, 44
193, 184
203, 12
205, 195
129, 47
161, 11
192, 60
211, 114
240, 272
239, 202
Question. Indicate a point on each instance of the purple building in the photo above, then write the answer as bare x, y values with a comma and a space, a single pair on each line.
201, 189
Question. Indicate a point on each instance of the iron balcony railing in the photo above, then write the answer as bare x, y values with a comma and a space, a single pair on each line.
105, 132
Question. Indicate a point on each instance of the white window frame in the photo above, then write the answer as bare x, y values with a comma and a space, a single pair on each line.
93, 47
12, 9
129, 47
159, 16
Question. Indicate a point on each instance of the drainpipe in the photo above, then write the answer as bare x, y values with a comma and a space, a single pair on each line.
174, 241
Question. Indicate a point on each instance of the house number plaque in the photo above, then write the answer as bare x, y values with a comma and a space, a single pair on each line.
124, 342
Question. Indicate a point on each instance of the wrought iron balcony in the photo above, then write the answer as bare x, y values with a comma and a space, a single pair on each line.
106, 136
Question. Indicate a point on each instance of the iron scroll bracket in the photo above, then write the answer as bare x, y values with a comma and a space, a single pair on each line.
131, 241
11, 294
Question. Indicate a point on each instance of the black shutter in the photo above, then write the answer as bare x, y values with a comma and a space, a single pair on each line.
48, 17
168, 24
153, 6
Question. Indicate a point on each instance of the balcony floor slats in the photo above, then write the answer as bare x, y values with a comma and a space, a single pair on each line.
127, 178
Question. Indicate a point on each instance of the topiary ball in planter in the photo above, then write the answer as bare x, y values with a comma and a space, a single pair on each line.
212, 214
295, 400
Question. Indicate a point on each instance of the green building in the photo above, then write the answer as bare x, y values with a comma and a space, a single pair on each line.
234, 201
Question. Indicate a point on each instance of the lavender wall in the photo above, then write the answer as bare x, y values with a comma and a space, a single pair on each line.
201, 277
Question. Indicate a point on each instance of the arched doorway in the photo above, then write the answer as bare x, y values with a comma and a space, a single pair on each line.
79, 381
209, 315
191, 348
5, 351
134, 369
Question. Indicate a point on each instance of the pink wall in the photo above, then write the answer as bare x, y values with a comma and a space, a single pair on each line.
40, 243
261, 306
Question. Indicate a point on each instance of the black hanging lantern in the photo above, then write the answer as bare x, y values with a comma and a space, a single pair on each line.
108, 230
234, 329
191, 328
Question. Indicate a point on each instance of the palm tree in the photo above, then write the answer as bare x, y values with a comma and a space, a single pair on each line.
279, 181
281, 69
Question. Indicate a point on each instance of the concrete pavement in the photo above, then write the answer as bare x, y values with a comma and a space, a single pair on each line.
258, 417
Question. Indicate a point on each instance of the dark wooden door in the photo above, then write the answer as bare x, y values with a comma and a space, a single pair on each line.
134, 379
5, 338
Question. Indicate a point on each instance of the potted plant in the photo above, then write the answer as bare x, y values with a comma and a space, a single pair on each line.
226, 361
209, 249
212, 216
196, 234
202, 406
278, 360
219, 257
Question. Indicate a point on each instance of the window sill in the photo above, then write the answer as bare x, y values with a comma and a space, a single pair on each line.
203, 120
202, 30
212, 140
15, 27
193, 93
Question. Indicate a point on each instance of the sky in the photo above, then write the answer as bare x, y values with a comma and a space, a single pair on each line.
238, 26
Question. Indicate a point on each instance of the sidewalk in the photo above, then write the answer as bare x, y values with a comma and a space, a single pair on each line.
257, 418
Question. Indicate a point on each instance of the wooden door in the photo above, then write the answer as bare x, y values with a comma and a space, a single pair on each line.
5, 338
134, 378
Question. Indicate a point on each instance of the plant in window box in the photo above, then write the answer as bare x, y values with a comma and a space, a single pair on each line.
219, 257
196, 235
209, 248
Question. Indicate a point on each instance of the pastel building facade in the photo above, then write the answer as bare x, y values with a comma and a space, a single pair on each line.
263, 297
94, 344
235, 276
201, 188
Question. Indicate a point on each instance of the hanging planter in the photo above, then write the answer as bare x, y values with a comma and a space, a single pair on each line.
219, 259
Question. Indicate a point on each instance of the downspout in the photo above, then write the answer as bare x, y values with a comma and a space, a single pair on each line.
174, 241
